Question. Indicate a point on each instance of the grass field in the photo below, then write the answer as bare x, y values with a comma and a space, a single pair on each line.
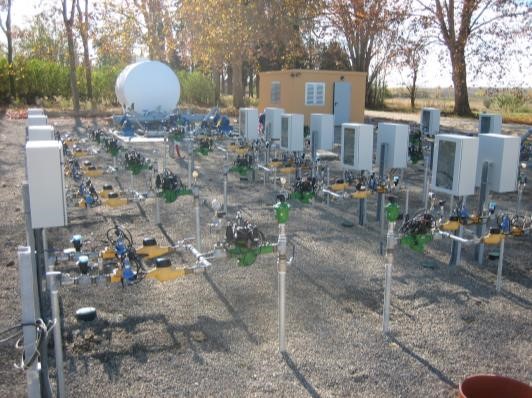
514, 105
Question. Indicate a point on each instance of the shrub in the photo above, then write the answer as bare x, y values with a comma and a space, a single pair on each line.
196, 88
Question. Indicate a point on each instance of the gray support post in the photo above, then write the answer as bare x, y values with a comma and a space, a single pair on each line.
390, 246
456, 245
380, 195
190, 160
362, 211
406, 215
30, 313
157, 210
225, 189
498, 281
53, 281
481, 228
281, 270
328, 185
520, 188
195, 192
426, 184
387, 293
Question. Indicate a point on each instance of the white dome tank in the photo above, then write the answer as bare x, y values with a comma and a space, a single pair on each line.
148, 86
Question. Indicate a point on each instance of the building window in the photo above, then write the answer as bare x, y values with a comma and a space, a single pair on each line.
314, 94
276, 92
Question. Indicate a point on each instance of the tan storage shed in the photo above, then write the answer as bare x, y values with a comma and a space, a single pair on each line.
315, 91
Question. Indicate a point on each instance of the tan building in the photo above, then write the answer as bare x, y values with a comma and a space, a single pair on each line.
315, 91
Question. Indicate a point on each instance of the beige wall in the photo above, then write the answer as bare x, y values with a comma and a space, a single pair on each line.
293, 91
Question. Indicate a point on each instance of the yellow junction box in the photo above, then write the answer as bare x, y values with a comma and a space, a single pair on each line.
275, 165
93, 173
360, 194
167, 273
493, 239
108, 254
115, 202
151, 252
287, 170
80, 154
339, 187
450, 225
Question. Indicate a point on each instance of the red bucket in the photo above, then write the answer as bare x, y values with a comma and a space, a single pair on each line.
491, 386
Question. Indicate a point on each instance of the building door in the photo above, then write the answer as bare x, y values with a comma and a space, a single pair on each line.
341, 102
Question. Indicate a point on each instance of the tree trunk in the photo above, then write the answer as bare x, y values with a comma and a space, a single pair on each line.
84, 33
238, 92
244, 78
257, 84
250, 88
9, 37
461, 98
72, 64
229, 80
413, 90
216, 79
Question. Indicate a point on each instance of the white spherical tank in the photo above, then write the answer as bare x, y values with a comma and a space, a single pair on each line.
148, 86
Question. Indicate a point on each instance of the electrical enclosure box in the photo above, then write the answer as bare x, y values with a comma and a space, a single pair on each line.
357, 146
502, 153
292, 132
454, 166
272, 123
44, 167
41, 133
35, 111
321, 131
37, 120
490, 123
429, 122
248, 122
396, 137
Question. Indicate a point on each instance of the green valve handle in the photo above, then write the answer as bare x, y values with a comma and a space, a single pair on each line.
281, 211
393, 212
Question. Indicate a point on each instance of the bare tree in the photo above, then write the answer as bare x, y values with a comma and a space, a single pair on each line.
479, 31
412, 56
6, 28
83, 21
370, 29
68, 18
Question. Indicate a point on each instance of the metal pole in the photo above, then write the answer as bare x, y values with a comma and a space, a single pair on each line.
157, 210
30, 314
166, 148
481, 228
225, 189
407, 203
53, 278
520, 188
381, 229
387, 293
190, 157
498, 282
195, 192
456, 245
426, 184
380, 195
328, 184
361, 211
390, 246
281, 270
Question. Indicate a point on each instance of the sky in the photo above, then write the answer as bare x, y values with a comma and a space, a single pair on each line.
433, 74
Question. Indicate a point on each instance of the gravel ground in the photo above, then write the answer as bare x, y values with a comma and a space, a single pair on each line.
215, 334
